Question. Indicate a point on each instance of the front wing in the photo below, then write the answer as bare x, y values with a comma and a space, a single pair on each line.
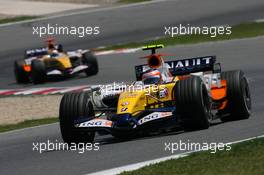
104, 124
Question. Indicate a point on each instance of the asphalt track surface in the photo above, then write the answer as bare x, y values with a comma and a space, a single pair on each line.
17, 157
120, 25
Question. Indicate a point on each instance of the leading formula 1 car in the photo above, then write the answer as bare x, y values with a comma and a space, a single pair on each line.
190, 94
52, 61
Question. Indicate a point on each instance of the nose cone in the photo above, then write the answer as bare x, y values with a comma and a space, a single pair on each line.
131, 101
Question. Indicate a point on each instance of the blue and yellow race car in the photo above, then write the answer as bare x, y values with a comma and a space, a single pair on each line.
187, 93
48, 62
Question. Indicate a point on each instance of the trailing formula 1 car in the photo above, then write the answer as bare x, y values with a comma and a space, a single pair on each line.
51, 61
187, 93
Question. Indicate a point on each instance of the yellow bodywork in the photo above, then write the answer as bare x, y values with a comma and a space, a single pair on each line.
62, 62
134, 101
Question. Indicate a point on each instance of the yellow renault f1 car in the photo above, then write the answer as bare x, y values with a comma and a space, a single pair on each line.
51, 61
190, 94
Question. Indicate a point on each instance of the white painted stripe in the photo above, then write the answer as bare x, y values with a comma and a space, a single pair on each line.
131, 50
57, 91
86, 89
72, 89
6, 90
136, 166
108, 52
104, 52
30, 91
95, 86
83, 12
259, 20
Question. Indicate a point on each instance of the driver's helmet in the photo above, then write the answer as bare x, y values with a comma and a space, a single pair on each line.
51, 46
54, 54
152, 77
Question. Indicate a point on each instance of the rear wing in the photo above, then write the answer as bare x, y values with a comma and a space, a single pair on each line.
38, 52
184, 66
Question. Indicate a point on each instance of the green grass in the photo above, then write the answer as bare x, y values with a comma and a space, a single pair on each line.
16, 19
131, 1
243, 159
246, 30
27, 123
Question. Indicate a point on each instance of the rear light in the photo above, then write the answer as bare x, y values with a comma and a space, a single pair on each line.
27, 68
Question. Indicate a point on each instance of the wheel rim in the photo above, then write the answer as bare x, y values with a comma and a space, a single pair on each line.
206, 103
246, 94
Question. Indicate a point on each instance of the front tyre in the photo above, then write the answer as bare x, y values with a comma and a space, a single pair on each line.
38, 72
238, 96
73, 106
193, 103
90, 60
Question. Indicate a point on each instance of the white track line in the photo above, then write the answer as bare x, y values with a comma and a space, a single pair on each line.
259, 20
117, 51
136, 166
4, 90
72, 89
84, 12
30, 91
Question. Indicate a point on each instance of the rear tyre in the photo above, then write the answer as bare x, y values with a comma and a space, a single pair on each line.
238, 96
38, 72
192, 103
21, 75
72, 107
90, 60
